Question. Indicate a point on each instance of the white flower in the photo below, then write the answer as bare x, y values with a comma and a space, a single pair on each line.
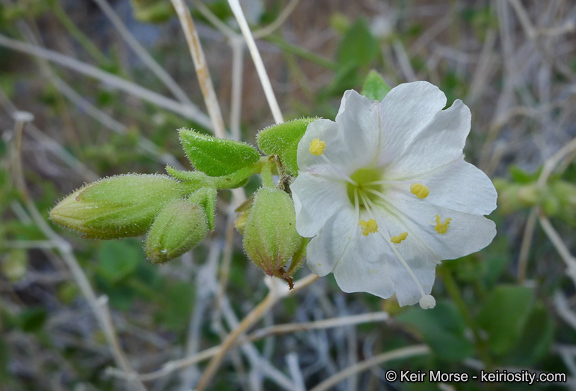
385, 193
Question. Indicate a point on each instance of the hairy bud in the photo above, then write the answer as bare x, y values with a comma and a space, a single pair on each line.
117, 207
178, 228
270, 237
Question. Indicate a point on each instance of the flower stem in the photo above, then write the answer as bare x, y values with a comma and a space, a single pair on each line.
454, 292
266, 173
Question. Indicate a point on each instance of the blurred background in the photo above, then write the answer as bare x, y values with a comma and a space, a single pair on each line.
95, 88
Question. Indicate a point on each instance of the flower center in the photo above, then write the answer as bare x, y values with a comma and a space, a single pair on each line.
367, 184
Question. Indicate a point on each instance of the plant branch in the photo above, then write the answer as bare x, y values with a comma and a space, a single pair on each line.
264, 79
187, 111
410, 351
276, 292
146, 58
200, 65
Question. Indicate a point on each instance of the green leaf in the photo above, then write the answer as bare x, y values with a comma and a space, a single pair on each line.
358, 46
347, 77
176, 304
118, 260
375, 87
154, 11
442, 328
282, 140
503, 315
4, 361
535, 341
216, 156
523, 177
32, 319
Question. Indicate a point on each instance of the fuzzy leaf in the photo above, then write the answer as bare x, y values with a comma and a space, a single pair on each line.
358, 46
216, 156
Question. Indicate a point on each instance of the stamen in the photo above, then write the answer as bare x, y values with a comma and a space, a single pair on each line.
427, 302
317, 147
369, 205
398, 238
419, 190
440, 227
376, 192
385, 182
340, 173
368, 227
356, 205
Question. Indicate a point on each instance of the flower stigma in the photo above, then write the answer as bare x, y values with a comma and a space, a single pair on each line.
317, 147
440, 227
368, 227
398, 238
419, 190
367, 183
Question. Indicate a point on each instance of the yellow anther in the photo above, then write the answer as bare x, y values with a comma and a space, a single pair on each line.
399, 238
419, 190
440, 227
368, 227
317, 147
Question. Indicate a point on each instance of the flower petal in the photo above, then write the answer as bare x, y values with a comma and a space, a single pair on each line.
376, 269
334, 243
336, 150
437, 143
467, 233
459, 186
405, 110
316, 199
359, 122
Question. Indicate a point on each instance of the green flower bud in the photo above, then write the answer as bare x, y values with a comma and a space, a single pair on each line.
270, 237
152, 11
117, 207
551, 204
529, 195
15, 265
564, 191
508, 198
178, 228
